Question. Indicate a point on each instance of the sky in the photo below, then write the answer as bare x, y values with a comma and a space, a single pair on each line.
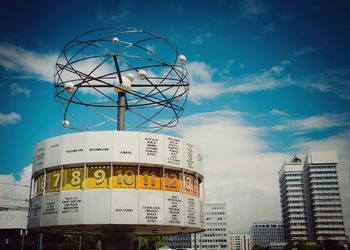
268, 79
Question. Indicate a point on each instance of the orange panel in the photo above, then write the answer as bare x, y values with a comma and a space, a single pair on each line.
172, 180
150, 178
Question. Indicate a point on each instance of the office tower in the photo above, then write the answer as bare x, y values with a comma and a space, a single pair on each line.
321, 198
264, 233
216, 235
178, 241
240, 242
292, 199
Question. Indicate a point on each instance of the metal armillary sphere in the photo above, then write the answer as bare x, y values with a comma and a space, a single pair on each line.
112, 71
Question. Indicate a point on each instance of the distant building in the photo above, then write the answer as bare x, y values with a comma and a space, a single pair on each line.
240, 242
264, 233
178, 241
310, 198
217, 235
13, 222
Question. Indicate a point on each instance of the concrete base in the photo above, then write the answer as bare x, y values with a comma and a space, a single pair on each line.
118, 241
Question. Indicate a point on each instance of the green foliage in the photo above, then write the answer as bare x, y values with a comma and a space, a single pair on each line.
301, 246
258, 247
332, 245
71, 242
325, 245
151, 242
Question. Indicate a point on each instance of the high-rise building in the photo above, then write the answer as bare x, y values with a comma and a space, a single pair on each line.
178, 241
240, 242
217, 234
318, 215
292, 199
264, 233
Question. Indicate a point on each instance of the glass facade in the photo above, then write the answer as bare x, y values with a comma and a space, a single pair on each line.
264, 233
217, 235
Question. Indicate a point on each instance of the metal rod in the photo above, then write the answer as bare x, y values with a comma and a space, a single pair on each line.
121, 98
23, 234
40, 242
121, 111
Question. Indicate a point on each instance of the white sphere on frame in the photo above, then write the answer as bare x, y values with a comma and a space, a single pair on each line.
115, 40
125, 86
69, 87
142, 74
130, 76
65, 123
181, 59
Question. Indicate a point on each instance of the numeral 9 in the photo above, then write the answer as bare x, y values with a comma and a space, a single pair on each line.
100, 176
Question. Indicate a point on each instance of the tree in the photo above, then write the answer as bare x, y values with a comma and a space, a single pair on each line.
258, 247
71, 242
332, 245
151, 242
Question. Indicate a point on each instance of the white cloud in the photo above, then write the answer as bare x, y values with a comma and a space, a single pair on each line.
286, 62
278, 112
254, 10
15, 193
239, 168
228, 66
316, 122
17, 59
10, 118
341, 144
16, 89
332, 81
304, 51
199, 39
277, 69
203, 86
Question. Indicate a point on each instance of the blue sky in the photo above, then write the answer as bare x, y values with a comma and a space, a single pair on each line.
271, 77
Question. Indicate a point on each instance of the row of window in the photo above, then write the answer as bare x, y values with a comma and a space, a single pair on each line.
325, 189
215, 240
216, 224
216, 229
217, 208
293, 174
328, 183
214, 218
216, 213
267, 226
322, 167
327, 205
214, 235
324, 178
323, 172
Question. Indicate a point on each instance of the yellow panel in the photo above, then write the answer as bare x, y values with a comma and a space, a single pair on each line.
39, 184
98, 177
172, 180
150, 178
73, 178
124, 177
53, 183
188, 183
